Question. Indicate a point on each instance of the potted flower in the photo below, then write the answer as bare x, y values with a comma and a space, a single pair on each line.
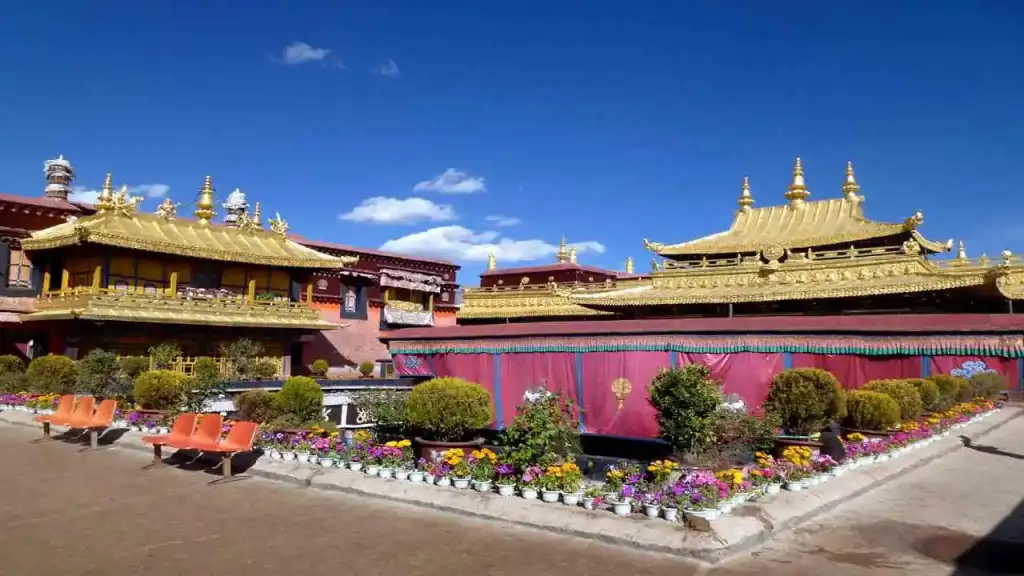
401, 464
796, 477
356, 453
448, 413
571, 483
482, 468
425, 469
652, 503
593, 497
443, 474
417, 472
371, 462
673, 499
461, 472
661, 470
302, 448
704, 500
390, 459
530, 481
622, 501
505, 479
550, 484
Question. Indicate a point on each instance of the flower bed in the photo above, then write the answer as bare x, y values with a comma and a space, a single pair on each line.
661, 490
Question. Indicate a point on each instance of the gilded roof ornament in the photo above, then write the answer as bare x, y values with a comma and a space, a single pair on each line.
797, 192
278, 225
122, 204
851, 190
961, 253
204, 205
652, 246
167, 209
492, 262
746, 198
629, 265
914, 220
563, 252
106, 197
256, 217
572, 255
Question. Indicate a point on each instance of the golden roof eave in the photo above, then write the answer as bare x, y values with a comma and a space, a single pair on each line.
535, 302
153, 233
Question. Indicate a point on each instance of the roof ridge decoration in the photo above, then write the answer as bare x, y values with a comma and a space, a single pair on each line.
204, 205
746, 200
797, 193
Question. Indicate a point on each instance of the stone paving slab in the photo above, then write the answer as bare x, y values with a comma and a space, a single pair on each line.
749, 525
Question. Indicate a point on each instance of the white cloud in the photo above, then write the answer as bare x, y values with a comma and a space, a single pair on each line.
452, 181
381, 210
299, 53
81, 194
461, 244
503, 220
387, 69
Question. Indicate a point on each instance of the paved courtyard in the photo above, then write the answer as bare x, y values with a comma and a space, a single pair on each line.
98, 514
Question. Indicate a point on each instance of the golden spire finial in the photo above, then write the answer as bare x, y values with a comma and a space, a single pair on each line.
256, 216
851, 190
797, 192
572, 255
629, 265
563, 252
746, 198
961, 253
204, 205
492, 262
106, 197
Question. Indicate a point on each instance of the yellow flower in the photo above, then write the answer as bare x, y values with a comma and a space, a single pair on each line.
404, 443
391, 444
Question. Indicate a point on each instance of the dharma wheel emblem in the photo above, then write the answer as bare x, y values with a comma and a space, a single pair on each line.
773, 252
621, 388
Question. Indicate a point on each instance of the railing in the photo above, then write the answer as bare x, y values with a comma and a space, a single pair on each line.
187, 364
536, 289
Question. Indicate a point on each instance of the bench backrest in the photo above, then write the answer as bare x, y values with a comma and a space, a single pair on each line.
65, 406
241, 436
209, 428
83, 409
184, 425
105, 413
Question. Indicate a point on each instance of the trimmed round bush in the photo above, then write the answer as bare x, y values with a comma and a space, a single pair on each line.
10, 364
805, 400
256, 406
687, 401
366, 367
929, 393
320, 368
300, 401
448, 409
873, 411
132, 366
266, 369
964, 391
904, 393
949, 386
160, 389
51, 374
206, 368
988, 385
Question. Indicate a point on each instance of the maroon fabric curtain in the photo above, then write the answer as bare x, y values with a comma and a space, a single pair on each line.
477, 368
947, 364
853, 370
413, 364
615, 396
554, 371
747, 374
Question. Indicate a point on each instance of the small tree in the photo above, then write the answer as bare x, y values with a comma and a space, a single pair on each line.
320, 368
161, 389
903, 392
132, 366
872, 411
164, 354
686, 400
366, 368
256, 406
545, 431
10, 364
52, 374
387, 410
98, 373
300, 402
805, 400
448, 409
204, 385
242, 355
989, 385
949, 387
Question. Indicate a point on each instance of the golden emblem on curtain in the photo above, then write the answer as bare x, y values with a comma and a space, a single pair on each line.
621, 388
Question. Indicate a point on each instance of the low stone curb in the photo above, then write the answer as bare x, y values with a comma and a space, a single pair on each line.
748, 526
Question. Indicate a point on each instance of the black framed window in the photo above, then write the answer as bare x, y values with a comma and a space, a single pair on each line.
19, 270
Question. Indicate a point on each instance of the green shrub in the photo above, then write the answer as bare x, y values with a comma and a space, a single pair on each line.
366, 367
872, 411
989, 385
10, 364
242, 355
205, 384
686, 400
387, 411
256, 406
51, 374
206, 368
805, 400
266, 369
320, 368
164, 355
300, 401
949, 386
738, 434
11, 382
904, 393
448, 409
964, 391
132, 366
929, 392
161, 389
544, 432
98, 373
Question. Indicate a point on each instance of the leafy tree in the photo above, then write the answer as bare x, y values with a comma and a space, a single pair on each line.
545, 431
686, 400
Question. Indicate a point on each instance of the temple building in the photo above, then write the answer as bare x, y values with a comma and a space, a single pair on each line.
124, 280
805, 283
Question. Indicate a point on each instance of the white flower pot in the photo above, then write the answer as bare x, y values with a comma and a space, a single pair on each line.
794, 486
327, 462
303, 457
622, 508
482, 486
385, 472
812, 481
705, 513
671, 514
506, 489
371, 469
529, 493
444, 482
572, 499
838, 471
588, 503
164, 430
652, 510
355, 466
428, 478
773, 488
274, 454
549, 495
461, 483
288, 455
416, 476
401, 474
726, 507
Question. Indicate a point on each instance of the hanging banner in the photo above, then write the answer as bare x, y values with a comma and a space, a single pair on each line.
746, 374
854, 371
616, 401
552, 371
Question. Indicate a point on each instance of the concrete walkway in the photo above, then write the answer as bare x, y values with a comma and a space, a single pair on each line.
98, 513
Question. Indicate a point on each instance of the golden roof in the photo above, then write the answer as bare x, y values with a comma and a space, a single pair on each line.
542, 301
128, 306
190, 238
799, 224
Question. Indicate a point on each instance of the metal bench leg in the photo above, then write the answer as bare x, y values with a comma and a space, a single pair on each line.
94, 441
158, 457
46, 434
225, 468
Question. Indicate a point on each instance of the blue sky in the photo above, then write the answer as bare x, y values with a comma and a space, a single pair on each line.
457, 128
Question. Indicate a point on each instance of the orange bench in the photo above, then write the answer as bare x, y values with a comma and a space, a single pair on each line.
239, 439
102, 419
65, 407
184, 427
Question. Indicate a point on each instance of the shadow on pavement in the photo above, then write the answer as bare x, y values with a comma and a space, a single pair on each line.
1001, 551
989, 450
